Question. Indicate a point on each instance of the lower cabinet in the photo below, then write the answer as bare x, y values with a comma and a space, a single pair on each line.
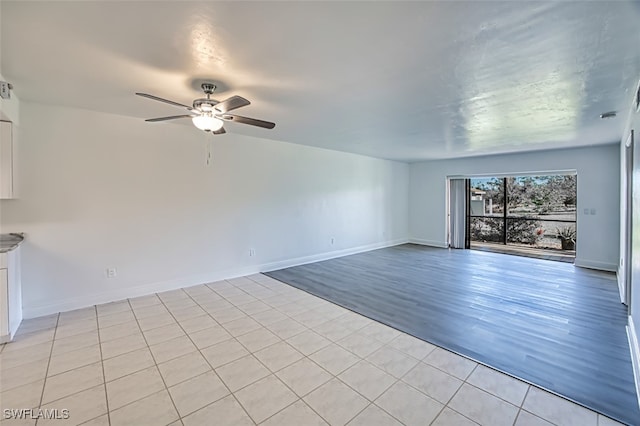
10, 295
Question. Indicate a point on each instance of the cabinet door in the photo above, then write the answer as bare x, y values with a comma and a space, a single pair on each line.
14, 291
6, 160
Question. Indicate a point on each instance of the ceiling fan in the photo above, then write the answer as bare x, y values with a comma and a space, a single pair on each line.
208, 114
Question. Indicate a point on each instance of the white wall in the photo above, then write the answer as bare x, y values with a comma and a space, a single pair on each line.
101, 191
598, 188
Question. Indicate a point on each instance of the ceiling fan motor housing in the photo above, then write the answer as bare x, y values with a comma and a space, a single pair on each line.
204, 104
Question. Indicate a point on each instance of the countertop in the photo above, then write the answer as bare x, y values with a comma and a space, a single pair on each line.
9, 242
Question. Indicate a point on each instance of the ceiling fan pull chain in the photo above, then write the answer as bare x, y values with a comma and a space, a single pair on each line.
209, 149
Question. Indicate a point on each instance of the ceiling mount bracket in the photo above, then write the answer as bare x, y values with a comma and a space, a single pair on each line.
208, 88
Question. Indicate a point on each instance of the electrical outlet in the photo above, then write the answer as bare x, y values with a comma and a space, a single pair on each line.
111, 272
333, 241
5, 90
252, 252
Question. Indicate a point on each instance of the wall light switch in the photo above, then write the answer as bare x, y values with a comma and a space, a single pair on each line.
586, 211
593, 211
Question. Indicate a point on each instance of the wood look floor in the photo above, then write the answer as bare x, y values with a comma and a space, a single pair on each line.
548, 323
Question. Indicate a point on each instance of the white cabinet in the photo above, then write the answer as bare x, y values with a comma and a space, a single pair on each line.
10, 294
7, 158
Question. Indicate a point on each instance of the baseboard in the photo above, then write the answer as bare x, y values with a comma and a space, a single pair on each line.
131, 292
430, 243
635, 354
595, 264
157, 287
267, 267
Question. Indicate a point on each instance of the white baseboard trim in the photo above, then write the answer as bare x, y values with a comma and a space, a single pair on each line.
430, 243
595, 264
634, 346
329, 255
34, 311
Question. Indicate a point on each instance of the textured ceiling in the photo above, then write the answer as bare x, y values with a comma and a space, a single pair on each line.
398, 80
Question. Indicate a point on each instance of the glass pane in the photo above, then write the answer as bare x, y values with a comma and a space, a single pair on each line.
487, 197
542, 197
566, 235
486, 229
523, 231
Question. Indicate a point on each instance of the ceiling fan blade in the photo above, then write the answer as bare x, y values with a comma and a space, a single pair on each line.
220, 131
166, 101
231, 104
247, 120
172, 117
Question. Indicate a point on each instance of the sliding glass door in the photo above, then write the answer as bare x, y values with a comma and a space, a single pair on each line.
523, 212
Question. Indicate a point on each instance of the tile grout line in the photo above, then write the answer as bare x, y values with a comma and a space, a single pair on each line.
44, 384
333, 376
250, 352
412, 387
202, 355
370, 402
298, 398
155, 365
364, 359
521, 409
104, 377
446, 405
313, 330
456, 392
271, 373
504, 372
304, 356
306, 328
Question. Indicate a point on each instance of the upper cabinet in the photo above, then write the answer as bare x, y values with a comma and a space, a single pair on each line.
6, 160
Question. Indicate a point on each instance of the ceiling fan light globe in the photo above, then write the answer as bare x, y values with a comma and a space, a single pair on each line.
207, 123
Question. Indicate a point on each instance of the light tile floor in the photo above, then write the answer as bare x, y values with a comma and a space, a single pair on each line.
254, 351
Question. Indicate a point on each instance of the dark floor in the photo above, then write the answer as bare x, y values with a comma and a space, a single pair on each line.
568, 256
549, 323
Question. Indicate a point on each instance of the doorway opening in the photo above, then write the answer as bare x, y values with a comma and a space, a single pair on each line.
532, 216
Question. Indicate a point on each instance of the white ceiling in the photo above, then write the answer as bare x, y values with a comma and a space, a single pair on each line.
397, 80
